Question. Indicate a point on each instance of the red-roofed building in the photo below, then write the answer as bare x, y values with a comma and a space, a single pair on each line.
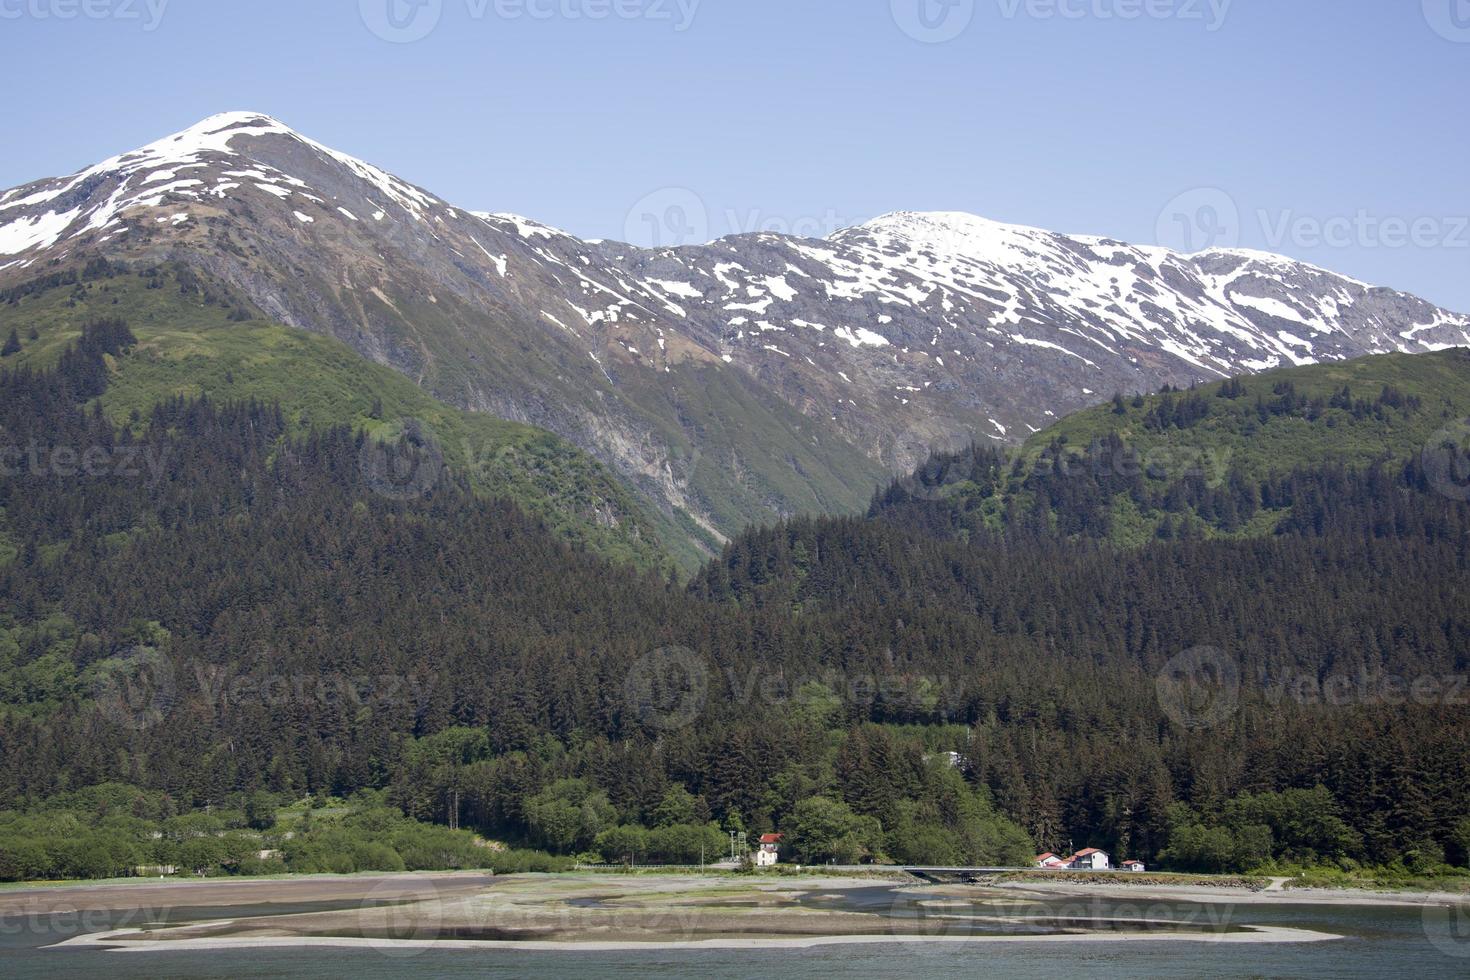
1049, 860
1090, 859
768, 855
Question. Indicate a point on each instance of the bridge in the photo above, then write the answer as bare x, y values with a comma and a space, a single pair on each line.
934, 874
924, 872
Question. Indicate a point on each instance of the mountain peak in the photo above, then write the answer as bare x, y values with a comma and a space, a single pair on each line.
239, 117
211, 135
914, 332
958, 234
944, 221
952, 230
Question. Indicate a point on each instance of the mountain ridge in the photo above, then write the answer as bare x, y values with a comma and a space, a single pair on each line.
747, 379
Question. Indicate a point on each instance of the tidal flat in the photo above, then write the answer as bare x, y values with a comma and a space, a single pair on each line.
617, 912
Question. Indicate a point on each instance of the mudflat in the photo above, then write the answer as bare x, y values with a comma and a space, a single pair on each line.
225, 892
599, 911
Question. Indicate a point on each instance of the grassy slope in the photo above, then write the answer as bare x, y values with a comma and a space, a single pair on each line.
1440, 380
752, 454
1232, 437
187, 347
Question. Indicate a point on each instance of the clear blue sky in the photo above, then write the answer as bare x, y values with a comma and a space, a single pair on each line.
1330, 116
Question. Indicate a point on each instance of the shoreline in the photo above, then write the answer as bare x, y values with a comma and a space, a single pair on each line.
124, 894
1226, 895
592, 912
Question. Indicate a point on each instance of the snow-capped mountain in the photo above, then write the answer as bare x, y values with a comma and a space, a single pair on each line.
752, 376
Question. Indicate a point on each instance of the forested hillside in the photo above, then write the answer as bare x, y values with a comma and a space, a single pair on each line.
197, 337
220, 605
1221, 460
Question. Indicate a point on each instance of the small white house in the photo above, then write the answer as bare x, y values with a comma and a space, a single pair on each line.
1090, 859
767, 856
1049, 860
1132, 866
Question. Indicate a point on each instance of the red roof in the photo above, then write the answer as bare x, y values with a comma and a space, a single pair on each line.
1043, 857
1085, 853
771, 838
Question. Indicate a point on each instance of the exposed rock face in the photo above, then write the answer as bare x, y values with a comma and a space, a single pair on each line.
756, 376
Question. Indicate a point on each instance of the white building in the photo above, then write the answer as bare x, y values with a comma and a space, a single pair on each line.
1090, 859
768, 855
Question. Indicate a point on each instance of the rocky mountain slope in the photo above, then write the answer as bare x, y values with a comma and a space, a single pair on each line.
756, 376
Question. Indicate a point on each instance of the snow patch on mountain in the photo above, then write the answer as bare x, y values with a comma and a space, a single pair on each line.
911, 331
